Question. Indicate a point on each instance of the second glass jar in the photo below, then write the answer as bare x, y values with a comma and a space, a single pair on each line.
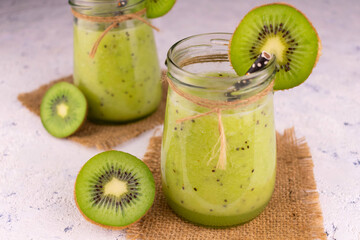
122, 82
194, 186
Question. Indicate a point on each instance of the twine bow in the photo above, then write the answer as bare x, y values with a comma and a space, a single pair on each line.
217, 107
115, 20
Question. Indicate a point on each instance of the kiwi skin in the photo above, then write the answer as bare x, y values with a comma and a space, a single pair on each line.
103, 225
317, 35
42, 105
318, 39
161, 12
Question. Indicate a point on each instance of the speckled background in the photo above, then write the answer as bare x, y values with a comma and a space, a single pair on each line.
37, 171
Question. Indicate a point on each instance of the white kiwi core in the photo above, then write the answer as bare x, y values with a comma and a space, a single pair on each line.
115, 187
62, 110
276, 46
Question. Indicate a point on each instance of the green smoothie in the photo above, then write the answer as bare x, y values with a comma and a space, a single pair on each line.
194, 187
122, 82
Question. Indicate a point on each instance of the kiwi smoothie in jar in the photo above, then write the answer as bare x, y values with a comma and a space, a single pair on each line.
195, 186
121, 81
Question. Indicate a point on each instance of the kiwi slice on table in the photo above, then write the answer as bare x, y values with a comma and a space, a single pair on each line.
282, 30
158, 8
63, 109
114, 189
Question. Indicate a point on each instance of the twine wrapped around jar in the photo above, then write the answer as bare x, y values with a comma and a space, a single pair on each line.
114, 20
217, 107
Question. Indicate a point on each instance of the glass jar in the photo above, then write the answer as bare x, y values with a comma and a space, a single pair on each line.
195, 186
122, 81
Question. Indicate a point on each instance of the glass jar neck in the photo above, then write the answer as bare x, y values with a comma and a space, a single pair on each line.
107, 8
200, 66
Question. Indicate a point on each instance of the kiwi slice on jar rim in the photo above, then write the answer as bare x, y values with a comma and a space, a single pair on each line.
114, 189
63, 109
282, 30
158, 8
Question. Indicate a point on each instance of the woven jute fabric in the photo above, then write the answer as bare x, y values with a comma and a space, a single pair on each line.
293, 213
101, 136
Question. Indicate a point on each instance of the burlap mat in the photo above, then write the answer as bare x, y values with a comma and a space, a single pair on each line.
293, 213
99, 135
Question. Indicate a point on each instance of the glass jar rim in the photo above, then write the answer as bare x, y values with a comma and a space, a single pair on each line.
88, 5
174, 66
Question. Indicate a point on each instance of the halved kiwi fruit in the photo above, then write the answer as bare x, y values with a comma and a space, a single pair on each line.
158, 8
282, 30
114, 189
63, 109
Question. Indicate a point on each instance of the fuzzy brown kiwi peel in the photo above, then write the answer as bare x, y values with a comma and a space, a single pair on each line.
282, 30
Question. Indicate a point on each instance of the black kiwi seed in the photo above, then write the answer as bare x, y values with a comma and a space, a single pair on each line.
264, 34
63, 109
282, 30
111, 185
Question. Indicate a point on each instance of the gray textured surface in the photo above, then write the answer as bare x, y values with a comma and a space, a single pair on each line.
37, 172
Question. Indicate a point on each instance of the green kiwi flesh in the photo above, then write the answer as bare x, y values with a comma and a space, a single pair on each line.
283, 31
158, 8
114, 189
63, 109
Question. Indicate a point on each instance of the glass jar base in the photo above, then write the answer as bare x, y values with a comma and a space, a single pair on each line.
214, 221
